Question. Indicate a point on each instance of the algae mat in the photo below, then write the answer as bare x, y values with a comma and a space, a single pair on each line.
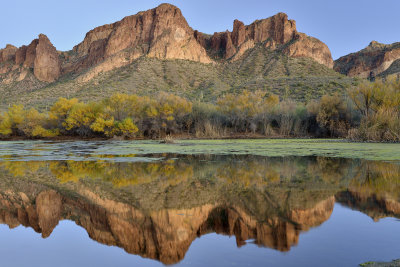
146, 150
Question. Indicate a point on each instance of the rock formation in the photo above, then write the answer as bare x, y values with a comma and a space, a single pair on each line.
8, 53
31, 54
40, 55
372, 60
161, 33
47, 64
306, 46
20, 55
276, 32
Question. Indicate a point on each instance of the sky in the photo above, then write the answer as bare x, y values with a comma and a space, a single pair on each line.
346, 26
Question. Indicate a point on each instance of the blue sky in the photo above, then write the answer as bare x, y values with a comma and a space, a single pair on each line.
344, 25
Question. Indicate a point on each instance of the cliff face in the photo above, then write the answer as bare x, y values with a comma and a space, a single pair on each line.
161, 33
8, 53
372, 60
306, 46
164, 33
275, 33
40, 55
47, 63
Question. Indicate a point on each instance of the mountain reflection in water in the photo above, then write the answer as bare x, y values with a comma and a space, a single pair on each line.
157, 209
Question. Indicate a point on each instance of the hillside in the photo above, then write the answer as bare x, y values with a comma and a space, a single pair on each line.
375, 60
157, 50
298, 78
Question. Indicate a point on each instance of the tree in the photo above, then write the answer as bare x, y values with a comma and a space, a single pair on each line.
332, 114
81, 117
60, 111
243, 110
11, 120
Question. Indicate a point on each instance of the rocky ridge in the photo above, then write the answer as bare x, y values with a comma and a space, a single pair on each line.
161, 33
275, 33
371, 61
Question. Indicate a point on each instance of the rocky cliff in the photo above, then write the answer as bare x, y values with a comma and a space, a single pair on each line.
40, 55
275, 33
47, 64
373, 60
161, 33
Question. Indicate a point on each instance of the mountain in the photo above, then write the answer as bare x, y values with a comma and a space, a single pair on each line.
157, 50
375, 60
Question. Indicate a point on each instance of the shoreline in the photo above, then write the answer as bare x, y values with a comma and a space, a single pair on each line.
173, 138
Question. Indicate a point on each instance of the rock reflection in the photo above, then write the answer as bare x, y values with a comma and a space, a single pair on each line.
157, 209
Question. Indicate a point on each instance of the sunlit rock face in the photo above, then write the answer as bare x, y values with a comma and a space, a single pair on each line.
40, 55
47, 66
275, 33
161, 33
164, 33
373, 60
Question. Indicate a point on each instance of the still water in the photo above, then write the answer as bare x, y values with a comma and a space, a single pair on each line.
114, 204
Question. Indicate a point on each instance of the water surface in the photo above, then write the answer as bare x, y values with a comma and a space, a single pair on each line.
198, 203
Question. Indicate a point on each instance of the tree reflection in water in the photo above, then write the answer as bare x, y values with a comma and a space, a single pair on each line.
156, 209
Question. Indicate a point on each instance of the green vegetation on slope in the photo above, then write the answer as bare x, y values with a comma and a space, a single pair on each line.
301, 79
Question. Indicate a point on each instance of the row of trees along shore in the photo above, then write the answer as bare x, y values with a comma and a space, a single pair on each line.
369, 112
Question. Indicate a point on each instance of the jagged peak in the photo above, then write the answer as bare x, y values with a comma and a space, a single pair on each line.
8, 46
167, 6
160, 8
374, 43
280, 15
42, 35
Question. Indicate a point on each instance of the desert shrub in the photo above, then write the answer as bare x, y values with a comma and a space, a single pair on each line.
246, 111
18, 121
289, 118
206, 121
332, 115
165, 114
379, 104
383, 125
371, 111
60, 111
81, 117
